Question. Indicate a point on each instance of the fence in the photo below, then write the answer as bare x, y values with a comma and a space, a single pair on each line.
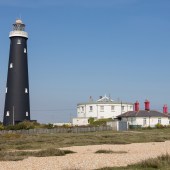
58, 130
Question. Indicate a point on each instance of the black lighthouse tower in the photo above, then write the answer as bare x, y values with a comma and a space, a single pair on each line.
17, 105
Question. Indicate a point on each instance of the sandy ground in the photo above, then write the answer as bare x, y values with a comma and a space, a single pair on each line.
86, 159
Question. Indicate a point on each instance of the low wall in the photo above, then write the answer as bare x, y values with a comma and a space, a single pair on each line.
58, 130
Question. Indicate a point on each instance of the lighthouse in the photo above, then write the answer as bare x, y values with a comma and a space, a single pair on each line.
17, 104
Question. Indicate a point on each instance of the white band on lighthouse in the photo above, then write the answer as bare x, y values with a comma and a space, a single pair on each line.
18, 34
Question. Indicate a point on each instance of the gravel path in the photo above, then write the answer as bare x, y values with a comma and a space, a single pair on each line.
86, 159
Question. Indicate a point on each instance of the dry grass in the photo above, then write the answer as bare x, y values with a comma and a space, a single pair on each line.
110, 151
20, 155
59, 140
161, 163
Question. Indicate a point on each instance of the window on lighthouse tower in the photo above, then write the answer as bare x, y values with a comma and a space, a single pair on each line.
26, 90
11, 65
25, 50
18, 41
7, 113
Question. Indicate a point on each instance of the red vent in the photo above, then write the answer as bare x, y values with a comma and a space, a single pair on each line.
147, 105
165, 109
136, 106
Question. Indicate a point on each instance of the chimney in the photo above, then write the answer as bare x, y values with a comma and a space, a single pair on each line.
165, 109
136, 106
147, 105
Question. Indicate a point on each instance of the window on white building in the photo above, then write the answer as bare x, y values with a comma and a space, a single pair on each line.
11, 65
131, 107
19, 41
7, 113
112, 108
82, 108
91, 108
144, 121
102, 108
133, 120
123, 108
159, 120
25, 50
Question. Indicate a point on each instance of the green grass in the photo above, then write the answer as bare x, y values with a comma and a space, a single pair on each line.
110, 151
58, 140
160, 163
20, 155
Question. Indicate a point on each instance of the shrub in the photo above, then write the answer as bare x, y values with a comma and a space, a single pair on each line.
22, 125
159, 126
91, 120
1, 127
66, 126
48, 126
99, 122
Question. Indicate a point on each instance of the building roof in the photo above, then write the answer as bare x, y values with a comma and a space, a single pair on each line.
104, 100
143, 113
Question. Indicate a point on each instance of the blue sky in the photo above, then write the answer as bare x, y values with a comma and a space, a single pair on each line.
82, 48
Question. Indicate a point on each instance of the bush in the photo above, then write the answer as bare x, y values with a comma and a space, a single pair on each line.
1, 127
91, 120
99, 122
47, 126
159, 126
66, 126
23, 125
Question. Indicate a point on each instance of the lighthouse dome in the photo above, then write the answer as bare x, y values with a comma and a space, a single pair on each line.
18, 29
18, 21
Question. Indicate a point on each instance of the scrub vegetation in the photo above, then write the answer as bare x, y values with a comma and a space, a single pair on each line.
59, 140
161, 162
26, 125
18, 144
20, 155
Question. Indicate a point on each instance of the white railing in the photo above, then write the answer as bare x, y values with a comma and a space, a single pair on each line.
18, 34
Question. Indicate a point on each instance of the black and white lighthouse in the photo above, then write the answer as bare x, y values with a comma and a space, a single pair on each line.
17, 104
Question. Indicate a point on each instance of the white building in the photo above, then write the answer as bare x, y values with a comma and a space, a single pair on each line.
147, 117
100, 109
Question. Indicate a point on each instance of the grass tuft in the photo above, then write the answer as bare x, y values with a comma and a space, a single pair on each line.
158, 162
110, 151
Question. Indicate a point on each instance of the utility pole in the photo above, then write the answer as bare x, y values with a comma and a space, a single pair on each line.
13, 111
121, 106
